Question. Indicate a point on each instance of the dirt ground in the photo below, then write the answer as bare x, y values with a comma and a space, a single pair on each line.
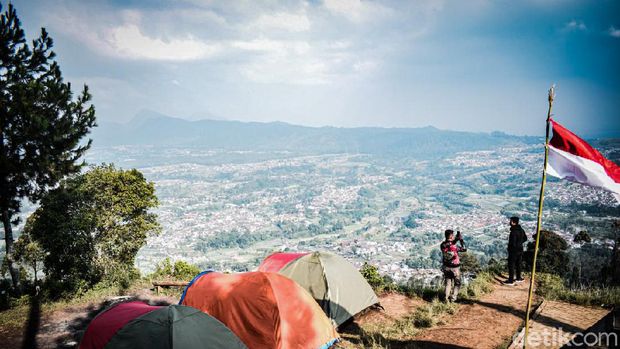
485, 323
488, 322
64, 328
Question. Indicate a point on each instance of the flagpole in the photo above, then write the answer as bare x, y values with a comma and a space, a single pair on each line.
538, 224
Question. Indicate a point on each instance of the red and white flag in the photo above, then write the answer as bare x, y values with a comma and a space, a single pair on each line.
571, 158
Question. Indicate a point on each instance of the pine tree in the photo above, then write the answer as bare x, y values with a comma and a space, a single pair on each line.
41, 124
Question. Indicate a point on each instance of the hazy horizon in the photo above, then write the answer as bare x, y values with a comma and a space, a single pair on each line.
478, 66
154, 112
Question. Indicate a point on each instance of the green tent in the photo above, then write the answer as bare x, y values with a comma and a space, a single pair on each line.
335, 283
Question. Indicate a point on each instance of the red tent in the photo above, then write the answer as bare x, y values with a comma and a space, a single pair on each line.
277, 261
137, 325
112, 320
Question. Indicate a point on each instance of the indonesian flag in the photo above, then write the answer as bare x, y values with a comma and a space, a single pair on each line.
570, 157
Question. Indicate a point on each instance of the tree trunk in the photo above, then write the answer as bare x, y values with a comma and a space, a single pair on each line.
8, 238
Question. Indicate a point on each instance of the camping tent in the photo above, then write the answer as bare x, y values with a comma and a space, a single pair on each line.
334, 282
266, 310
137, 325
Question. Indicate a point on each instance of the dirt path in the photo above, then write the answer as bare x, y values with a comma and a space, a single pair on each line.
485, 323
557, 323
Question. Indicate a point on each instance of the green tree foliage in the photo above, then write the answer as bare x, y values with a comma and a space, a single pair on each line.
41, 124
93, 225
29, 252
582, 236
371, 274
375, 280
469, 263
552, 255
180, 270
411, 220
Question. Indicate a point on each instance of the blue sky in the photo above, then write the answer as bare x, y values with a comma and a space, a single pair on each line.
461, 65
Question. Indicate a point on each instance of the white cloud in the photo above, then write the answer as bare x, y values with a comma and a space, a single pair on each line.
612, 31
129, 42
292, 22
357, 10
127, 39
267, 43
575, 25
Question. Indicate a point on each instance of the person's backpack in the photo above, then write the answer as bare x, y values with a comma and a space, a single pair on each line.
446, 253
523, 237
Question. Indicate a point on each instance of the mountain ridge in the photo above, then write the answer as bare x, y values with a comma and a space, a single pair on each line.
153, 128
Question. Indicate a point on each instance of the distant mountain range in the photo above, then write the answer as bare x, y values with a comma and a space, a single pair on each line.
152, 128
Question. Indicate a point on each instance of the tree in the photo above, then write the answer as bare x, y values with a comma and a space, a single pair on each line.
469, 263
41, 124
582, 236
29, 252
552, 256
372, 276
180, 270
92, 226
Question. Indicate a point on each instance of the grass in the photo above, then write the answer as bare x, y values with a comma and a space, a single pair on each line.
433, 313
16, 316
552, 287
383, 334
482, 284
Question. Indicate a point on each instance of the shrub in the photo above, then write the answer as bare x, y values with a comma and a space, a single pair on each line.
185, 271
552, 255
180, 270
553, 287
582, 236
483, 283
469, 263
375, 280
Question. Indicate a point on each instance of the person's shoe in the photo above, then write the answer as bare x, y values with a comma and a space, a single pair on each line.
520, 280
509, 283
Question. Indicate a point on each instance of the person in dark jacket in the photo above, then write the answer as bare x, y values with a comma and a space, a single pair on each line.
451, 265
515, 251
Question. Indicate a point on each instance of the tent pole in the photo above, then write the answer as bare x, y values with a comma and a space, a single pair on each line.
541, 199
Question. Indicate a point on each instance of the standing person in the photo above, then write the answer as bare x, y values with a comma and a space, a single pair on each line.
515, 251
451, 264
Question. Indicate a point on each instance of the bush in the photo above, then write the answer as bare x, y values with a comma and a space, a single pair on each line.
180, 270
185, 271
469, 263
552, 255
582, 236
552, 287
483, 283
497, 267
378, 283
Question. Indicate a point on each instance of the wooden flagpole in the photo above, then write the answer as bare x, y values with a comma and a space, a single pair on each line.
538, 224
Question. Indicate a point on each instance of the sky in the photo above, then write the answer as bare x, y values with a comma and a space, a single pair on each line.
460, 65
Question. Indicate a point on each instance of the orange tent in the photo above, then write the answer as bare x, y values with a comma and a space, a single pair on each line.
265, 310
